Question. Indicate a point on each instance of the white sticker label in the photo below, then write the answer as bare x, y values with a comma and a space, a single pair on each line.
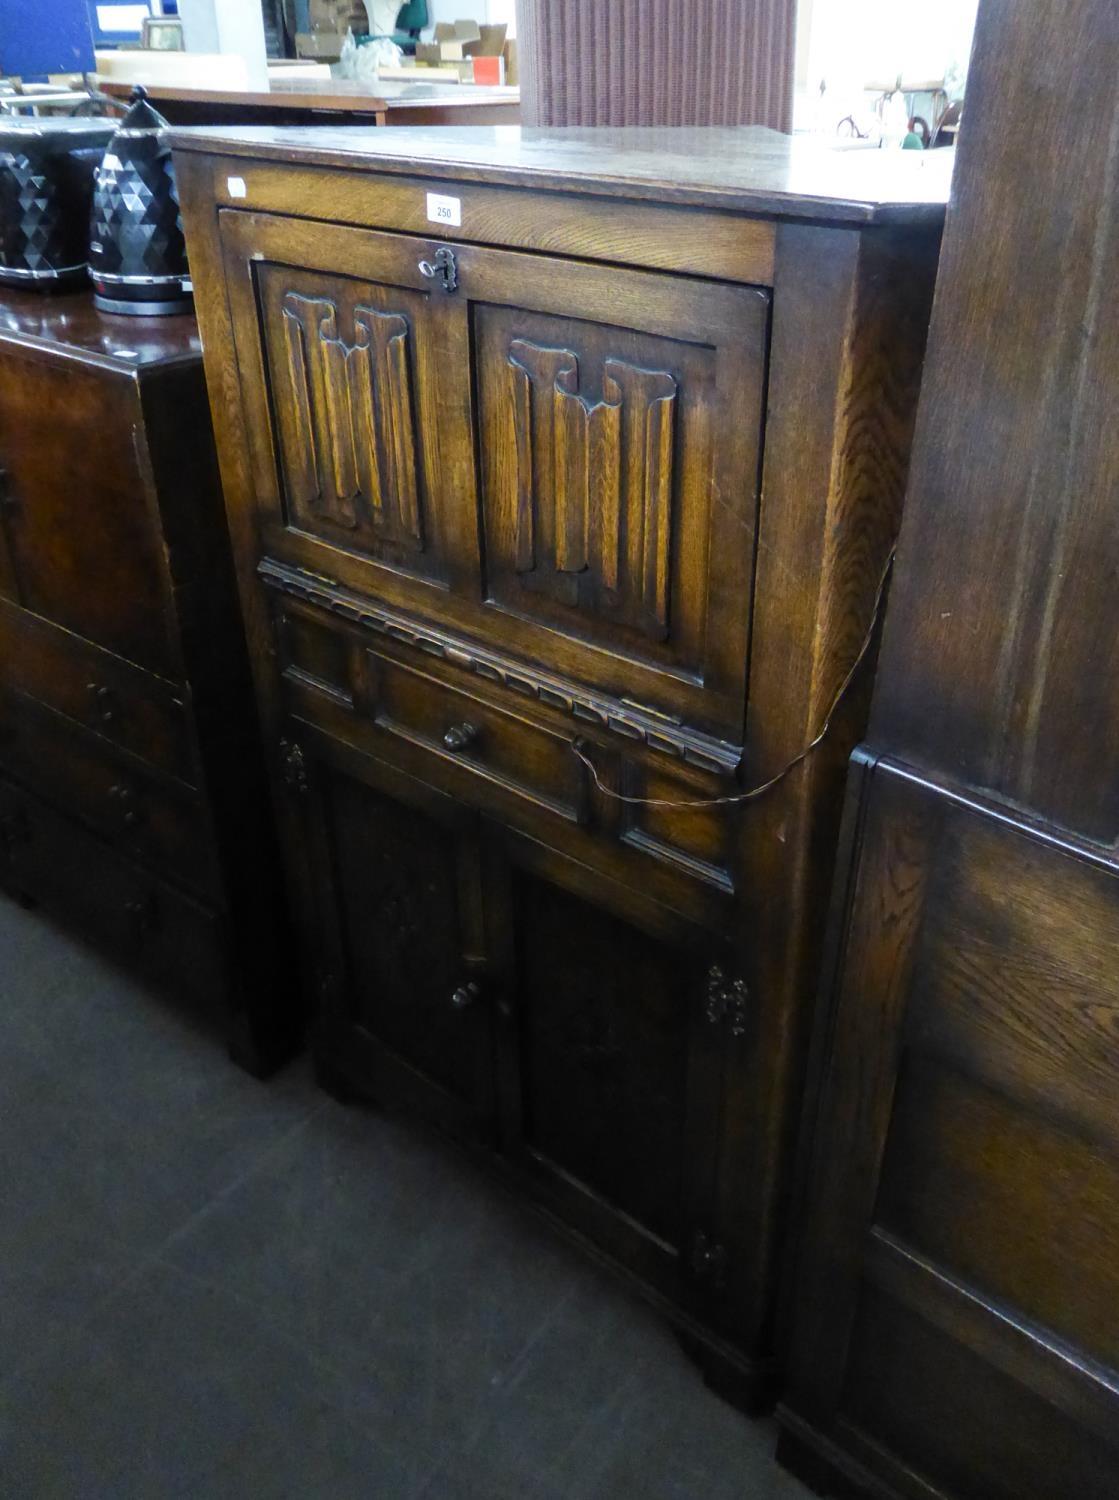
235, 187
443, 210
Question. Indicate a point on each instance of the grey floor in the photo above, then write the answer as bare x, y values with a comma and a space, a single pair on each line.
212, 1287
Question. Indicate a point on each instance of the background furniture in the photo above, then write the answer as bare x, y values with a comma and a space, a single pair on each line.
311, 101
657, 62
131, 796
956, 1315
494, 490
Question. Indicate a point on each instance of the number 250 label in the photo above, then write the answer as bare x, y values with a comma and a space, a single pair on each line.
444, 210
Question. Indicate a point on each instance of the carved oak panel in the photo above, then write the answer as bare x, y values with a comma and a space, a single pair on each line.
342, 365
349, 441
355, 387
619, 486
594, 479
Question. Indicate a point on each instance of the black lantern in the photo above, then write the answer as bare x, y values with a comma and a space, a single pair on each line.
137, 254
46, 180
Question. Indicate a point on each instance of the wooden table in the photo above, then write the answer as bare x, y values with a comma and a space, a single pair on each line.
331, 101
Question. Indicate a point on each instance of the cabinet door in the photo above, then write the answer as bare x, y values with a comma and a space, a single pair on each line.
395, 878
354, 374
611, 1076
80, 539
619, 417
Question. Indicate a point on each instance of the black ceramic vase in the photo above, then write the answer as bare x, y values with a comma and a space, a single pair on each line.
46, 180
137, 254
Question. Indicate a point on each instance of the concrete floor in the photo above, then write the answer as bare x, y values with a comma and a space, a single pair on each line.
213, 1287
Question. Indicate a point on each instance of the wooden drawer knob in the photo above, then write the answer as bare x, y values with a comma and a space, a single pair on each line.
466, 994
460, 736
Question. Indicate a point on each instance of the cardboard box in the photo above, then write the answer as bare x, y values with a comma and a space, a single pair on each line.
465, 44
488, 43
338, 16
323, 46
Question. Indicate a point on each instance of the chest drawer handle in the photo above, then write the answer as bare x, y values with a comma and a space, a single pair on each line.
124, 800
102, 702
460, 736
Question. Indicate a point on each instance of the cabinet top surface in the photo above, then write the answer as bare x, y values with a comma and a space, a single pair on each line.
749, 169
69, 323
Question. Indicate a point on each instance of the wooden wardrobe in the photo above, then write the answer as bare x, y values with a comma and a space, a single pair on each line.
955, 1308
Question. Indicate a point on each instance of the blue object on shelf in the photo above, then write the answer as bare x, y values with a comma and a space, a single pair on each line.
49, 36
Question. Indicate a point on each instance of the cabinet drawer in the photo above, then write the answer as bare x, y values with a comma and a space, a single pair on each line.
96, 889
70, 768
142, 713
512, 753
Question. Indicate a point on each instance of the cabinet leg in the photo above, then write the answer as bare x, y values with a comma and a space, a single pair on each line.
260, 1045
751, 1387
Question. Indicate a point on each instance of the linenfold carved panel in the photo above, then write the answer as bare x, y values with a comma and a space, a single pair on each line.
595, 478
349, 441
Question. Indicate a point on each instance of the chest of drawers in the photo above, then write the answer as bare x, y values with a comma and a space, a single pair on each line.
563, 471
130, 804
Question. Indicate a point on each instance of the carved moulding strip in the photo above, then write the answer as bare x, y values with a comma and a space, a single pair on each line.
704, 752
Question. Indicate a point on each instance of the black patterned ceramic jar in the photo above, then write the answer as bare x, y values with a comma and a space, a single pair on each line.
137, 254
46, 182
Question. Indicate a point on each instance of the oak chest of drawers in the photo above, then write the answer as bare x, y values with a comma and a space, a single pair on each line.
563, 470
130, 799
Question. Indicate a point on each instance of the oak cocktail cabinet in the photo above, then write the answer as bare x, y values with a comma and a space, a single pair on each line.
563, 469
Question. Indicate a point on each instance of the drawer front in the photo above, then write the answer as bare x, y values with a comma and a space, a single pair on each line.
145, 715
556, 457
493, 745
96, 889
70, 768
515, 755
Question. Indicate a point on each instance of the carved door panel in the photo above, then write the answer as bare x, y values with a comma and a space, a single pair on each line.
611, 1078
79, 534
354, 373
399, 921
620, 417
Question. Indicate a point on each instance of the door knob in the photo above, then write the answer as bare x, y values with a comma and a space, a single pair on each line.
460, 736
